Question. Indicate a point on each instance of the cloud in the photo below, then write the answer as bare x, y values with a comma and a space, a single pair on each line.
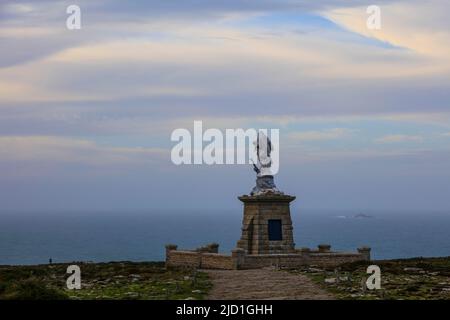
187, 9
222, 68
419, 26
17, 8
328, 134
398, 138
223, 76
320, 155
79, 103
41, 155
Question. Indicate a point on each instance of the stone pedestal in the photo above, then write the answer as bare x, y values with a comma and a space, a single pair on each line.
267, 224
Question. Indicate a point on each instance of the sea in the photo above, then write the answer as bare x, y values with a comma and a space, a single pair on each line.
34, 238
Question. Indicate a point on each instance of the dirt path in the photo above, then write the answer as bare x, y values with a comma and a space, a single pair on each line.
263, 284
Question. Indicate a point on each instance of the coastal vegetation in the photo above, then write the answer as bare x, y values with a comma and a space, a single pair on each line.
417, 278
401, 279
104, 281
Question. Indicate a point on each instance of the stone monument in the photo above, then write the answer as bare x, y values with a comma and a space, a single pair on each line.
267, 238
267, 225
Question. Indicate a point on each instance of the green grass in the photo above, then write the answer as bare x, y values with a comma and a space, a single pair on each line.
103, 281
152, 281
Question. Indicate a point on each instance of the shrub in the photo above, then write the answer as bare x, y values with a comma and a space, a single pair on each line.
30, 289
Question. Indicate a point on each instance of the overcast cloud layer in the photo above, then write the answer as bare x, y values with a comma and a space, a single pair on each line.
86, 115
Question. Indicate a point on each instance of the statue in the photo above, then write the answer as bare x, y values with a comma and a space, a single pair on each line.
264, 178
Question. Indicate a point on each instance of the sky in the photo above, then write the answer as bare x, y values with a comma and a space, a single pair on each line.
86, 115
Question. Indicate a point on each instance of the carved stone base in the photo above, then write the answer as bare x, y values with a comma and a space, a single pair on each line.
265, 184
267, 225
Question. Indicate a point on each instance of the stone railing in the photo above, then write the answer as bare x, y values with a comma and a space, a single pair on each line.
201, 258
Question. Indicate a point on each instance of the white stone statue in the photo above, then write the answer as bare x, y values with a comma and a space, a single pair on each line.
264, 177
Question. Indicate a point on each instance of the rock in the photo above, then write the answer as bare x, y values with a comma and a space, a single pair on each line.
330, 280
412, 269
132, 294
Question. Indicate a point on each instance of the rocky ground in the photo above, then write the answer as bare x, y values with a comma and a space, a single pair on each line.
419, 278
403, 279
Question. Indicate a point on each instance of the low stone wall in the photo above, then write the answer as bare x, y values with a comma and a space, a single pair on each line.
238, 259
333, 259
197, 258
299, 259
188, 259
267, 260
216, 261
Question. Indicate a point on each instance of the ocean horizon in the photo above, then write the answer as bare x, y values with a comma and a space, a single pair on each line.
27, 239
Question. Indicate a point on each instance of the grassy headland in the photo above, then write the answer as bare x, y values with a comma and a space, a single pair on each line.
113, 280
417, 278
